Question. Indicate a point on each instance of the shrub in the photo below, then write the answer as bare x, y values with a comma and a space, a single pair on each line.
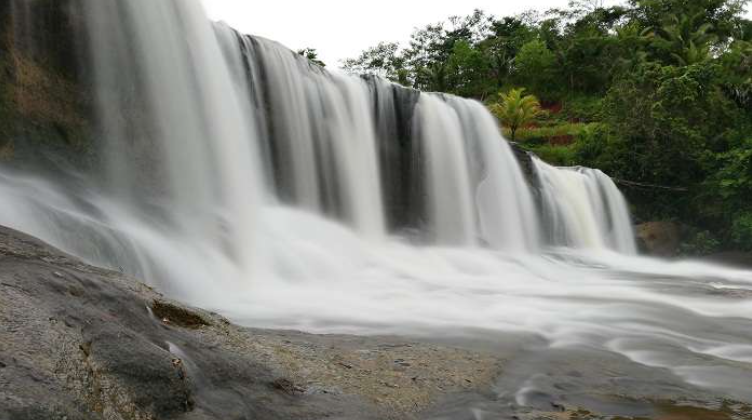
700, 244
741, 231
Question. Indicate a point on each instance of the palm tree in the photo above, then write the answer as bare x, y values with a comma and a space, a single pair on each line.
686, 39
515, 109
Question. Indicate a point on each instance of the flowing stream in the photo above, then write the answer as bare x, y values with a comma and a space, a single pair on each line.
239, 177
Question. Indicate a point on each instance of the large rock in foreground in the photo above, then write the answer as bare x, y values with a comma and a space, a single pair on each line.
78, 342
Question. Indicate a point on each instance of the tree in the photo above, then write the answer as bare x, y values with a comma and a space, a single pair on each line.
312, 55
685, 39
736, 66
502, 46
516, 110
535, 65
467, 71
587, 5
723, 15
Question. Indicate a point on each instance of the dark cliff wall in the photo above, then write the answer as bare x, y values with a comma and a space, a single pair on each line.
45, 103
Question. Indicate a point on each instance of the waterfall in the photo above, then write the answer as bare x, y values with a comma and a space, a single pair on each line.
319, 129
195, 158
451, 202
229, 162
501, 187
205, 145
336, 146
583, 208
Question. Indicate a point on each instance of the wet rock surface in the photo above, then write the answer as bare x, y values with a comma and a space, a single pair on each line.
79, 342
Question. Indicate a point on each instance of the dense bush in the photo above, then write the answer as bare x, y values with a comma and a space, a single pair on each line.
741, 232
700, 243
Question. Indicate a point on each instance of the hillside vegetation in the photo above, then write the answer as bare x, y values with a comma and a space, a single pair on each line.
657, 93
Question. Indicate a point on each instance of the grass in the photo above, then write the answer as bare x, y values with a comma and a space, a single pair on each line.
555, 139
556, 143
556, 135
555, 155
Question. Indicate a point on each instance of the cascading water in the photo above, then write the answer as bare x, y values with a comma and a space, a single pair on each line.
501, 187
239, 177
319, 129
450, 198
583, 208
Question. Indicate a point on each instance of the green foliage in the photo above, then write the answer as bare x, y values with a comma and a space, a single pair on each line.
722, 15
382, 60
555, 155
582, 108
741, 231
736, 68
466, 69
557, 132
700, 244
684, 39
536, 66
728, 190
312, 55
515, 110
670, 116
732, 180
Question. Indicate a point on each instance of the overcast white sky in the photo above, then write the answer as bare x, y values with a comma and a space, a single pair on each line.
340, 29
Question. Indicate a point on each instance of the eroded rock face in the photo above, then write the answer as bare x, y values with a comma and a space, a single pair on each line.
525, 160
45, 98
660, 239
78, 342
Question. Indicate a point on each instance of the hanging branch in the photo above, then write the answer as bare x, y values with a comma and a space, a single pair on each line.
649, 186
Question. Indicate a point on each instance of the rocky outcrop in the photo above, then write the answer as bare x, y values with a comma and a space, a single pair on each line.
660, 239
525, 159
45, 101
79, 342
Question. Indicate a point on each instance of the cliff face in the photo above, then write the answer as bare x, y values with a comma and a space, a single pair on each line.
45, 103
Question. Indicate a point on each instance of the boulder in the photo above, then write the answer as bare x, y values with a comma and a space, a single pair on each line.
660, 239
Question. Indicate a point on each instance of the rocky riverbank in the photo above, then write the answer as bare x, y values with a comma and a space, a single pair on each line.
79, 342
